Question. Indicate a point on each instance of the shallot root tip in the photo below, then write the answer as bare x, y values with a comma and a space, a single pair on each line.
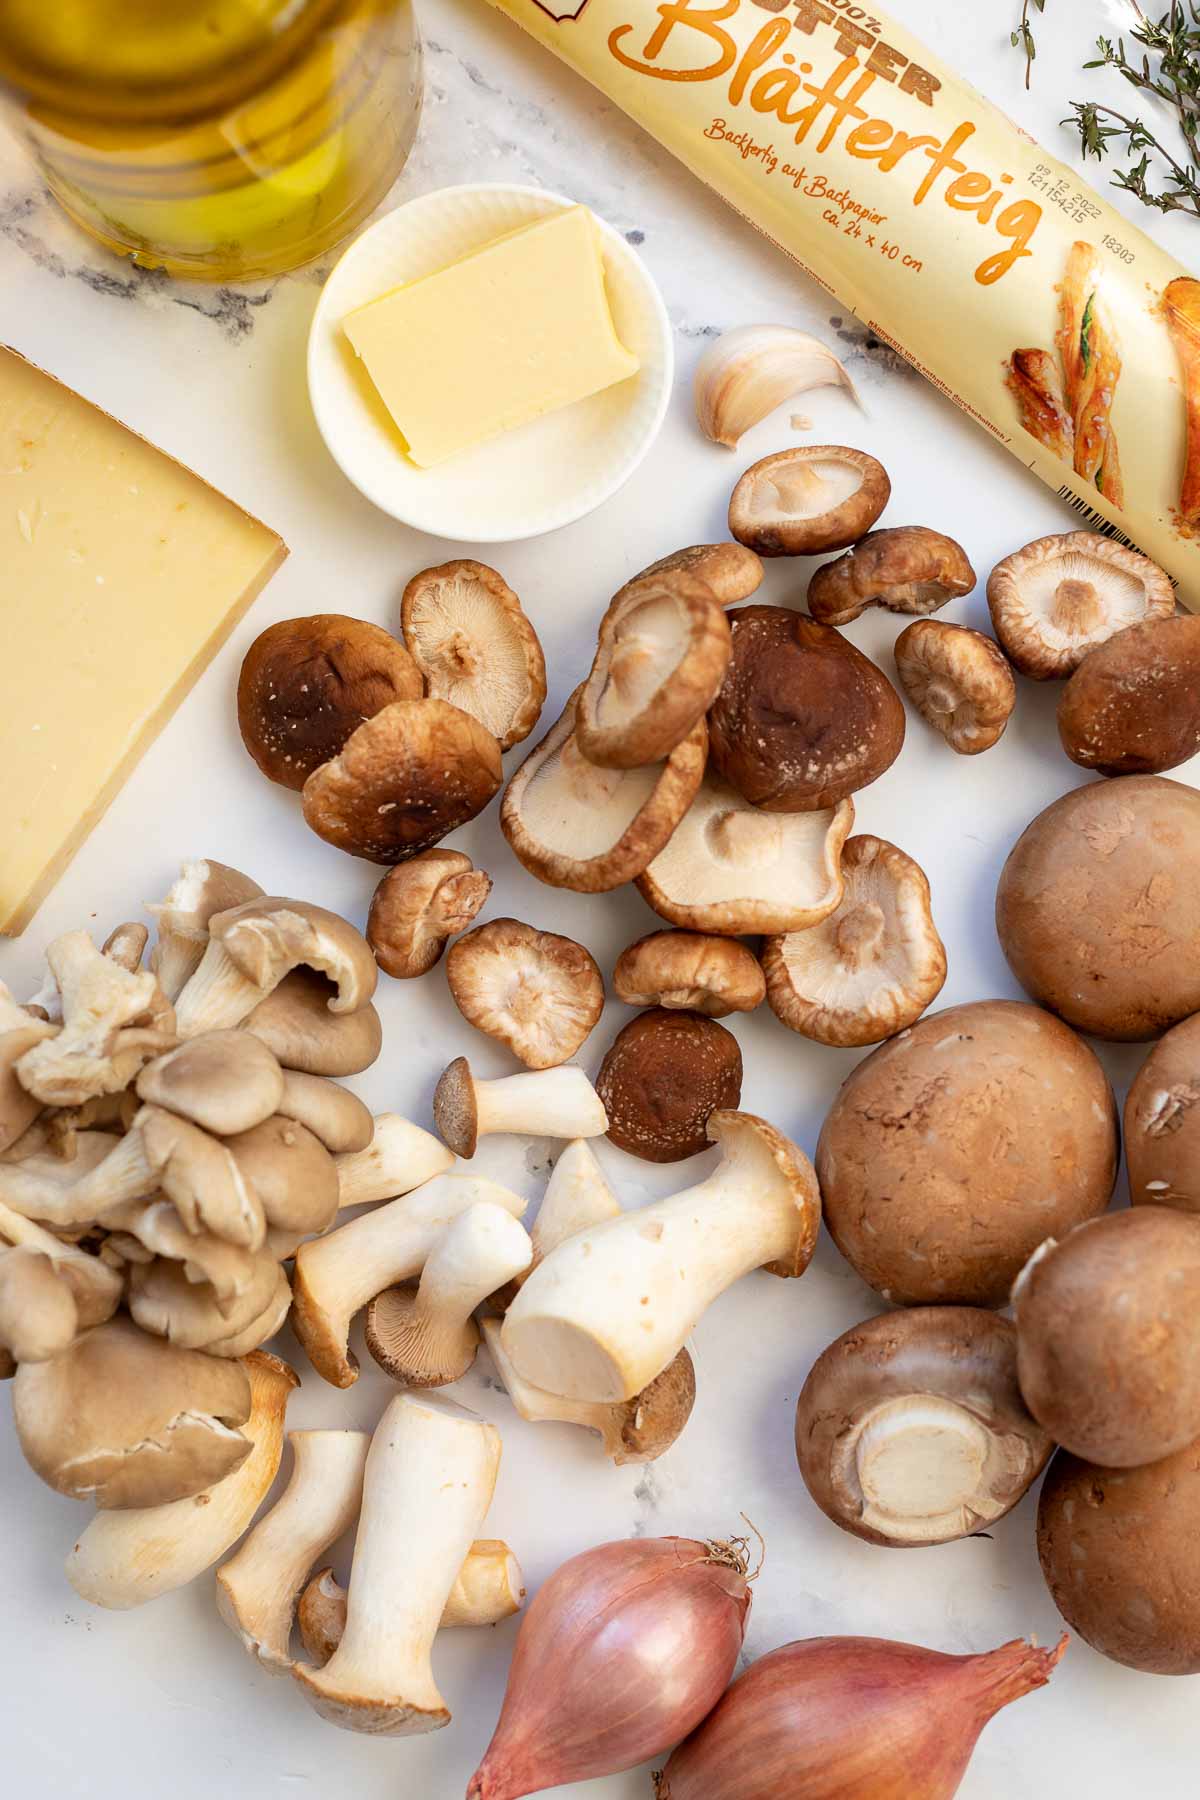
1022, 1665
734, 1553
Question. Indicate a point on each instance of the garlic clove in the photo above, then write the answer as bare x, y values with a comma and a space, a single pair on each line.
752, 369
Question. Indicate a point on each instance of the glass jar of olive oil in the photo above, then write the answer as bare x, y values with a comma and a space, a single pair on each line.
224, 139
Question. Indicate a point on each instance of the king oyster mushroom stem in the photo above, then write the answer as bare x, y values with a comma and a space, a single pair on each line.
400, 1157
490, 1587
125, 1420
257, 1589
113, 1022
631, 1431
253, 947
123, 1559
195, 1171
336, 1275
203, 888
752, 369
559, 1103
431, 1471
577, 1195
610, 1308
426, 1336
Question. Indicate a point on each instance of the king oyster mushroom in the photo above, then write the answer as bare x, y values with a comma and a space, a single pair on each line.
810, 498
576, 825
403, 780
419, 905
475, 647
731, 868
661, 655
662, 1076
803, 718
959, 681
306, 684
872, 966
907, 568
911, 1429
1055, 600
538, 993
692, 971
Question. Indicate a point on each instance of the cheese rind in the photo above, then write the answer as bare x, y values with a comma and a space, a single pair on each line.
123, 574
519, 328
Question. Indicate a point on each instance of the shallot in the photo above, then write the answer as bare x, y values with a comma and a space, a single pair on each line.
846, 1718
623, 1651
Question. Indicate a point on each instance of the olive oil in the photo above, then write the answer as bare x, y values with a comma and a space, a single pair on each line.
222, 139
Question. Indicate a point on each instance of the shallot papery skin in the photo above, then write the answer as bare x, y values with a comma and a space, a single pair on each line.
849, 1718
623, 1651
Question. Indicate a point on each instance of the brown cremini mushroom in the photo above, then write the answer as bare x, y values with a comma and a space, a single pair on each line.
803, 718
730, 570
811, 498
419, 905
959, 681
691, 971
955, 1149
124, 1420
662, 1076
306, 684
731, 868
1118, 1551
417, 770
576, 825
538, 993
872, 966
911, 1429
1108, 1335
298, 1026
472, 642
1098, 906
907, 568
1132, 707
662, 652
1055, 600
1162, 1122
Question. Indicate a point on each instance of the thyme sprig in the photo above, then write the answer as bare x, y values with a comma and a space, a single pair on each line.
1023, 38
1174, 40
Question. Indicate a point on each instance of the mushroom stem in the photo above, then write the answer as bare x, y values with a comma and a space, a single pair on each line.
399, 1157
941, 698
632, 1431
125, 1558
338, 1274
490, 1587
427, 1337
431, 1471
860, 934
1077, 606
577, 1195
258, 1587
610, 1308
919, 1461
559, 1102
218, 996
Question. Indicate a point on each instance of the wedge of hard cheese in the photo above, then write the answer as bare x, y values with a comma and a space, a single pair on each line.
121, 574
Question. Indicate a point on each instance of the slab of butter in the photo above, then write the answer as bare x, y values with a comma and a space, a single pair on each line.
516, 329
123, 573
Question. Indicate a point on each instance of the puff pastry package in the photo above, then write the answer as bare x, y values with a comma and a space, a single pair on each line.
1015, 288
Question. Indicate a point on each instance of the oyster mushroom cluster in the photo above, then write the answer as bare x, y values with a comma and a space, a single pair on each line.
392, 744
169, 1134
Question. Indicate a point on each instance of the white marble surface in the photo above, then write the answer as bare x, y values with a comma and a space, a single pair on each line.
161, 1701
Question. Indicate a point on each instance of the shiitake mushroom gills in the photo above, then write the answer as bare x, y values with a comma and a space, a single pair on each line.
1108, 1336
953, 1151
911, 1429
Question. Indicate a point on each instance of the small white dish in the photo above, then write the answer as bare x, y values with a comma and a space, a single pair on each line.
542, 475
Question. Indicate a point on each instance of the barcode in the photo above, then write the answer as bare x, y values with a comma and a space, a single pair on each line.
1097, 520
